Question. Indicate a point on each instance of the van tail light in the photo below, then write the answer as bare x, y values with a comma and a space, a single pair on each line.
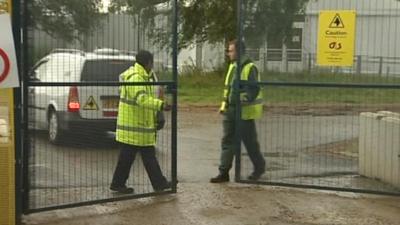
73, 100
110, 113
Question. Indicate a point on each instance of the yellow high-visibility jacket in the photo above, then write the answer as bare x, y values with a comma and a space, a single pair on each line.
138, 105
250, 109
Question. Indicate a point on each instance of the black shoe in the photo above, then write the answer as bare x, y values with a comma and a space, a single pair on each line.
167, 185
256, 175
122, 189
220, 178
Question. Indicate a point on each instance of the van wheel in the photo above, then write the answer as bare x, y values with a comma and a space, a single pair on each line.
55, 134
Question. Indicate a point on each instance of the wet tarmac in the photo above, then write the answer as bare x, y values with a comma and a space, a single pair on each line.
292, 158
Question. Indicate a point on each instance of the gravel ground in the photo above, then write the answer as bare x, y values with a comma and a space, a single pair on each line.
201, 203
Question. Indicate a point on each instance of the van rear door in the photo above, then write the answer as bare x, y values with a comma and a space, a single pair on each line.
101, 102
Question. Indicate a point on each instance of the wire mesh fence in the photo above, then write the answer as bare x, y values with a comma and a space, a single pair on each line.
316, 133
72, 94
328, 137
296, 62
376, 48
73, 155
328, 127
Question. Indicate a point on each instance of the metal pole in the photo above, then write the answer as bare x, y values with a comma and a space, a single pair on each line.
358, 69
174, 136
138, 32
236, 87
26, 145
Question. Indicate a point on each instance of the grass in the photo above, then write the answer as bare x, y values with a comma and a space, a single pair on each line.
199, 88
330, 78
203, 89
329, 95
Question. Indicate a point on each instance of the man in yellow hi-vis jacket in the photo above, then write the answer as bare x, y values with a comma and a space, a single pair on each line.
251, 109
137, 125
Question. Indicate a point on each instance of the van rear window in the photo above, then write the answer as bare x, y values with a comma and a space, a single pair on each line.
104, 70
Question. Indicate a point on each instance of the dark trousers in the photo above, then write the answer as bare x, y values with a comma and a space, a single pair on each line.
127, 157
248, 136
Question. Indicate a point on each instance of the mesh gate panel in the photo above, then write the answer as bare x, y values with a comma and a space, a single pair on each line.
76, 53
325, 127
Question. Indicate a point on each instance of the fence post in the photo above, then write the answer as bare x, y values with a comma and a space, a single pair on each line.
265, 60
285, 58
380, 65
358, 68
309, 62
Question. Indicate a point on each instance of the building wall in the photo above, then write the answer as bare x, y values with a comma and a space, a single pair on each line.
377, 48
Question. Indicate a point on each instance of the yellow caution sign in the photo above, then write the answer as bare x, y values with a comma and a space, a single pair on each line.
336, 36
337, 22
91, 104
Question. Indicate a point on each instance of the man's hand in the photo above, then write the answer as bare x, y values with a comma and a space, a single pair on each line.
167, 107
167, 102
222, 109
160, 120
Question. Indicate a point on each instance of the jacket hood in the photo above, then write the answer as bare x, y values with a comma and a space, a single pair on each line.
135, 69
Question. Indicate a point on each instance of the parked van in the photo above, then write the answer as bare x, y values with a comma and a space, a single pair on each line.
61, 109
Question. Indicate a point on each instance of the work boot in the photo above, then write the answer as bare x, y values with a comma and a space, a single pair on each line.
122, 189
256, 175
167, 185
220, 178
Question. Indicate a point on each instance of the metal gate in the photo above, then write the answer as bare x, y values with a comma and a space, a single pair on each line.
73, 53
334, 128
323, 127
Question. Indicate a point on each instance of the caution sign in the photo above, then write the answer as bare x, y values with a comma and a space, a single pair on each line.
337, 22
8, 61
91, 104
336, 36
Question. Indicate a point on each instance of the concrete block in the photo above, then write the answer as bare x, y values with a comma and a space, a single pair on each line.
369, 123
379, 146
389, 114
391, 147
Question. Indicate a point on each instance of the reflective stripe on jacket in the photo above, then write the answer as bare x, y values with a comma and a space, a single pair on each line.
136, 123
250, 109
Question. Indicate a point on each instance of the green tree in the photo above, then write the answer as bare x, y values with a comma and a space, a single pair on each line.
261, 19
271, 19
144, 13
216, 20
133, 6
67, 20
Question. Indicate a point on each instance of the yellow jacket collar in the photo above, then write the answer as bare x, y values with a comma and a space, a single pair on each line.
139, 69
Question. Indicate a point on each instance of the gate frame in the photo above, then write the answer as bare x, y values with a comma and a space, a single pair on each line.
238, 168
311, 85
22, 132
